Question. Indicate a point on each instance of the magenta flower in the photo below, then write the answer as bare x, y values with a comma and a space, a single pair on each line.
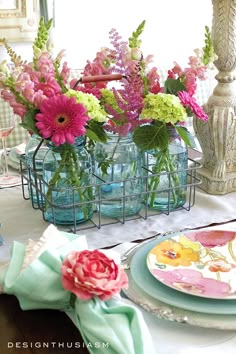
61, 119
189, 102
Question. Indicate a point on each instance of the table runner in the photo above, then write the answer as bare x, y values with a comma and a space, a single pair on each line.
20, 221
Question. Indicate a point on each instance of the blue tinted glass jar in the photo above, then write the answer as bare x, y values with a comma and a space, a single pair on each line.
67, 176
35, 152
167, 174
120, 176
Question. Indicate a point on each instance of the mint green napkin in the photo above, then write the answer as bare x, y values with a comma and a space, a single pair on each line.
120, 326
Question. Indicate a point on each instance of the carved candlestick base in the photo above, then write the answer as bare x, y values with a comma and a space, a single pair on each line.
217, 137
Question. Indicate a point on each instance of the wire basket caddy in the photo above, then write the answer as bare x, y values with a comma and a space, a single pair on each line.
33, 182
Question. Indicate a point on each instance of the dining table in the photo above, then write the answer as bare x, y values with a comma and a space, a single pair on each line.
45, 330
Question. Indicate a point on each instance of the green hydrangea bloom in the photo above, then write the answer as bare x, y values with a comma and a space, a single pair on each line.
109, 99
163, 107
91, 103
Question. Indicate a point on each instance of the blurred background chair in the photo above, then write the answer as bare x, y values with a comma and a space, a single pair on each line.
19, 135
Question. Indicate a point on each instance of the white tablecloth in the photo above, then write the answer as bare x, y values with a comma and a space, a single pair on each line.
20, 222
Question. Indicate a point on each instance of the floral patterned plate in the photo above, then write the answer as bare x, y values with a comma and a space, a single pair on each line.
200, 263
142, 277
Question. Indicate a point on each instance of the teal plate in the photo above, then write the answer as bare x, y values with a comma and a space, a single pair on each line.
143, 278
13, 156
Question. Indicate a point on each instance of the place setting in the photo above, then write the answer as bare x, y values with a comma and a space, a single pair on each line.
186, 277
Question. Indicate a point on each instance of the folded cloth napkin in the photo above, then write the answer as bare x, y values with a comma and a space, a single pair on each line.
34, 277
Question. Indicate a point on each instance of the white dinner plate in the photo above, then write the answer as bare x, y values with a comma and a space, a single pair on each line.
143, 278
200, 263
170, 312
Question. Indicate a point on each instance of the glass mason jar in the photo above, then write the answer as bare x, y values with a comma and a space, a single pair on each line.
34, 155
67, 178
167, 174
120, 181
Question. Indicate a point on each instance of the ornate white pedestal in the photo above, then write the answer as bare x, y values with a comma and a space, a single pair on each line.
217, 137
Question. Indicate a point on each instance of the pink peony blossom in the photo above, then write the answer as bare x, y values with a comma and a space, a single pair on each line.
61, 119
92, 273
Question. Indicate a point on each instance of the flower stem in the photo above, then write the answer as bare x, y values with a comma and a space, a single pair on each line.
164, 163
69, 166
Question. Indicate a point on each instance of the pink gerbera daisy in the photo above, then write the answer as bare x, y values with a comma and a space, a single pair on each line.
189, 102
61, 119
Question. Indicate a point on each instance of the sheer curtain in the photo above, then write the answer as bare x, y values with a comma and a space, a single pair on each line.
43, 6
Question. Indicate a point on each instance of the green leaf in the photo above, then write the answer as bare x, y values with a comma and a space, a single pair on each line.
95, 132
29, 121
148, 137
173, 86
104, 165
186, 136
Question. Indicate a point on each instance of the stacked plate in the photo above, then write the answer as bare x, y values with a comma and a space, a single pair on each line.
187, 277
14, 156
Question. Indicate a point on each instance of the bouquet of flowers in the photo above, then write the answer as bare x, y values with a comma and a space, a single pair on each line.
168, 106
118, 163
142, 104
41, 94
122, 100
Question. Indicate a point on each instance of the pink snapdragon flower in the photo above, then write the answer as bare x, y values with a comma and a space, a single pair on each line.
49, 87
99, 66
93, 90
45, 64
154, 81
190, 82
176, 71
17, 107
39, 97
65, 72
188, 76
